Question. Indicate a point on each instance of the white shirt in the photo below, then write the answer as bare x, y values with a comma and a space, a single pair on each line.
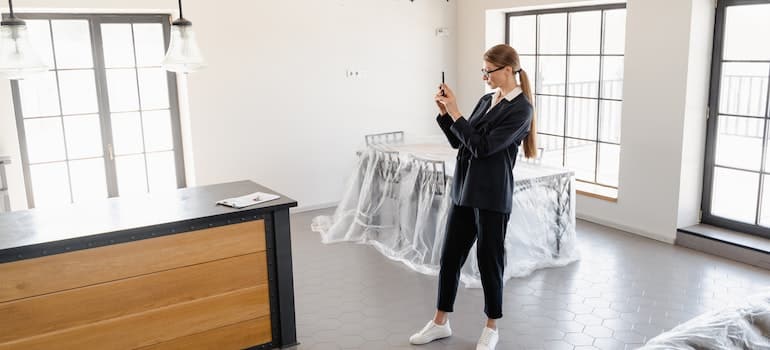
511, 95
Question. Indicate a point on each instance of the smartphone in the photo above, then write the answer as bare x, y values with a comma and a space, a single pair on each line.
442, 84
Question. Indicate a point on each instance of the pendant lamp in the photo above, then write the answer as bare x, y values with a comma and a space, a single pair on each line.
183, 55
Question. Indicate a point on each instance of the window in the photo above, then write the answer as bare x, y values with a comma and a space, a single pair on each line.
104, 120
736, 176
575, 59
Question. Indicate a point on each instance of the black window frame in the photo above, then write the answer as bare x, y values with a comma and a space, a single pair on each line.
712, 130
566, 96
95, 20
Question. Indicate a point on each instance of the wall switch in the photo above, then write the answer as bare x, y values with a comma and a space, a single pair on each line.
442, 32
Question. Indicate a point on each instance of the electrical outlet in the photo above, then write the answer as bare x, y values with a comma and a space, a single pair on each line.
354, 73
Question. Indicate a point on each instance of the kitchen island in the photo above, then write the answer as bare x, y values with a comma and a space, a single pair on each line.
161, 271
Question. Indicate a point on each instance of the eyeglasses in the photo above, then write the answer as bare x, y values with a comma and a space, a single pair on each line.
486, 73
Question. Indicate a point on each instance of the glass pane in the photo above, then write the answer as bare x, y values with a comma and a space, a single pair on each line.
150, 48
734, 195
161, 171
157, 131
78, 92
39, 96
582, 117
50, 185
40, 35
550, 115
553, 149
84, 136
127, 133
744, 26
552, 75
89, 181
609, 164
610, 113
45, 139
553, 34
585, 32
743, 88
739, 142
583, 76
764, 218
153, 88
612, 77
132, 178
72, 42
581, 157
122, 90
614, 32
118, 45
528, 65
522, 34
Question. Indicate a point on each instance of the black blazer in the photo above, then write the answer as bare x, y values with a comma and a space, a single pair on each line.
487, 147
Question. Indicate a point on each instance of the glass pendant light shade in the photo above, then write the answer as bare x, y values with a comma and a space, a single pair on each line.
183, 54
18, 58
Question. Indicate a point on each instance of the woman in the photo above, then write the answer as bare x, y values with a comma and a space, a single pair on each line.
482, 191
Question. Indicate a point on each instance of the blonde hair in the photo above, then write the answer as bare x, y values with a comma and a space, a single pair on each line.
503, 55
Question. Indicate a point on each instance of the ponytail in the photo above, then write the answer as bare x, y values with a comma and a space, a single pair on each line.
530, 142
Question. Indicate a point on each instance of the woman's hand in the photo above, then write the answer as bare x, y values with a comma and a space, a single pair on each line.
449, 102
441, 107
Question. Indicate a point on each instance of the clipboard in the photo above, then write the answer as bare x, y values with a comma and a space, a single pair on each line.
248, 200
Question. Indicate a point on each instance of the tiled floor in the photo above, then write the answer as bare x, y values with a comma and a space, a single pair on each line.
625, 290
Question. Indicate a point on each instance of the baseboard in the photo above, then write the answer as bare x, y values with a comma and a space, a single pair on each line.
305, 208
631, 230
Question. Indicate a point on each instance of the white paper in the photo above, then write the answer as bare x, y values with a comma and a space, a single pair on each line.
248, 200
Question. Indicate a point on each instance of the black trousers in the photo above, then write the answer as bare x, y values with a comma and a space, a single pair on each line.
464, 226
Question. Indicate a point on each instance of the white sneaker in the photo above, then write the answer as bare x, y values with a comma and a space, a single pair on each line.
488, 339
431, 332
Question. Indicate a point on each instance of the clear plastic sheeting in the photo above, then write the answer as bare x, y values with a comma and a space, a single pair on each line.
745, 325
397, 200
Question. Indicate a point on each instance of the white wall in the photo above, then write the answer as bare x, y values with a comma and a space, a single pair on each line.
665, 95
694, 128
289, 118
274, 105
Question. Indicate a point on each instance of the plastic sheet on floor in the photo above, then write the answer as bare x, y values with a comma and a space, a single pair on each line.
745, 325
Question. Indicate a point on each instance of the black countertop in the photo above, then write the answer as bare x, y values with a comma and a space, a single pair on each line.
39, 232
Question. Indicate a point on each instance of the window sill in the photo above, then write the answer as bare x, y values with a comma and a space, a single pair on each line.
604, 193
726, 243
